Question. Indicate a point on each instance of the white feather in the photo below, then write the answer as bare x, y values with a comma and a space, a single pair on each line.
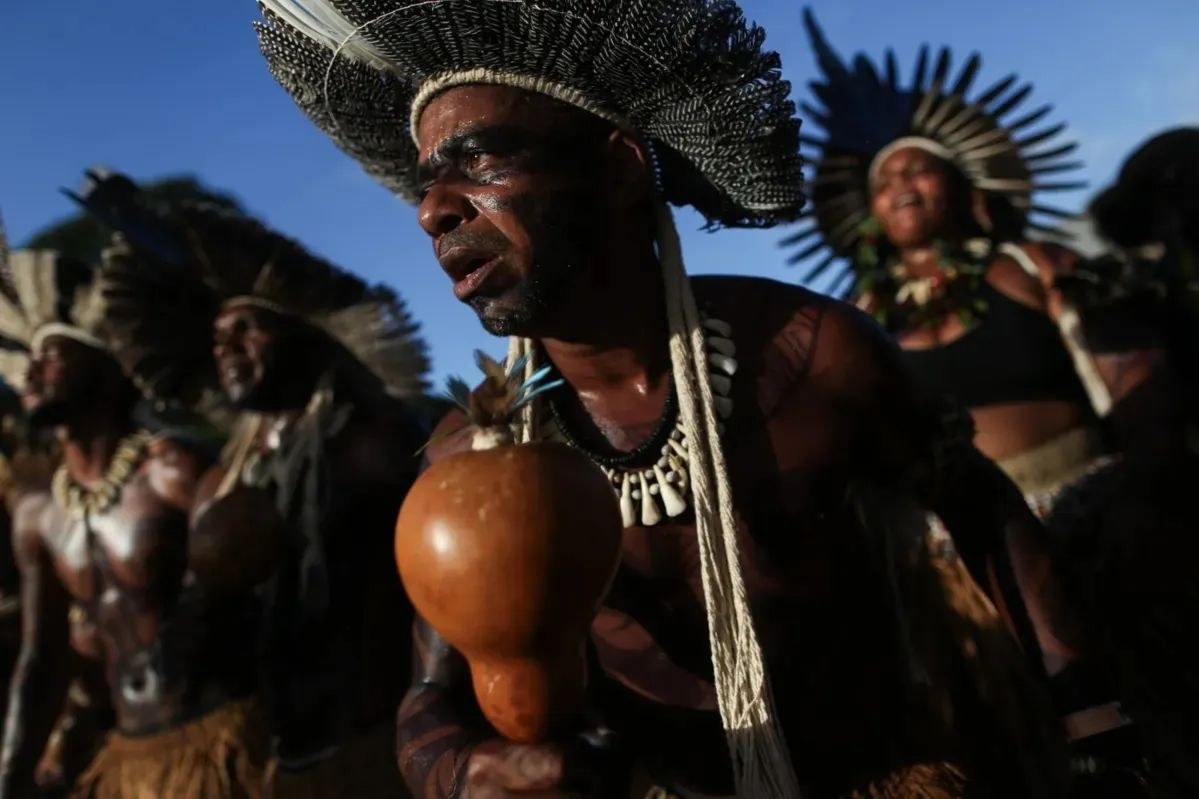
321, 22
34, 279
13, 324
13, 365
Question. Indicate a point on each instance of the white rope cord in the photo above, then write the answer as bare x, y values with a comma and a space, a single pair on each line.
761, 761
1070, 327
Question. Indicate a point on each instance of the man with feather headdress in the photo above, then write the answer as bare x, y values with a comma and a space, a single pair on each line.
755, 633
102, 554
27, 463
319, 370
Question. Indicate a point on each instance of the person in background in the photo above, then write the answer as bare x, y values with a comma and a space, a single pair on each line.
927, 190
102, 554
318, 371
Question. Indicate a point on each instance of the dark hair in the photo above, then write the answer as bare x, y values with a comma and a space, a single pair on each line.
1156, 196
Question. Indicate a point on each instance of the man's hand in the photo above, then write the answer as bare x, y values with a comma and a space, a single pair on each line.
498, 769
587, 767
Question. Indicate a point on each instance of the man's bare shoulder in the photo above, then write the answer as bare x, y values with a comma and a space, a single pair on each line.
787, 335
173, 468
854, 356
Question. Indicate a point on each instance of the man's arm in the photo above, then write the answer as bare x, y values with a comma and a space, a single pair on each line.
86, 716
439, 724
39, 682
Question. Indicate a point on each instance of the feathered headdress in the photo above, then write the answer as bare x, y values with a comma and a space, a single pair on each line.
689, 78
172, 269
868, 114
41, 294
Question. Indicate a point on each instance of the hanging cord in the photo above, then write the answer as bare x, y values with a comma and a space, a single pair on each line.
761, 761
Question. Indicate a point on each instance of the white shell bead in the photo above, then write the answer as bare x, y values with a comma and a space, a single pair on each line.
723, 362
723, 345
718, 327
628, 513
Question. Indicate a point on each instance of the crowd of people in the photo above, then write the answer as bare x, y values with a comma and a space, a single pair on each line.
930, 540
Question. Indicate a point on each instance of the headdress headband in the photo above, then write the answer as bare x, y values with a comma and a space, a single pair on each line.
44, 294
906, 143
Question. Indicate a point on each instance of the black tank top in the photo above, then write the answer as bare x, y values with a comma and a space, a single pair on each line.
1015, 354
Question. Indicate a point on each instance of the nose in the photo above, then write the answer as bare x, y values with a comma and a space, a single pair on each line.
443, 210
224, 345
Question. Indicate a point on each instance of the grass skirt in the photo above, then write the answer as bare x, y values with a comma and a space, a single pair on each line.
221, 755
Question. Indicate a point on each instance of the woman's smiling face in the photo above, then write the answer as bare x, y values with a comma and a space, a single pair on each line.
910, 197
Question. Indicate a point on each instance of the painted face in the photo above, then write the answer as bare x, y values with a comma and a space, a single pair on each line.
511, 199
62, 376
911, 197
247, 346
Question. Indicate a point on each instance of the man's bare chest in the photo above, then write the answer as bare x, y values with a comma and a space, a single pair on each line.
127, 545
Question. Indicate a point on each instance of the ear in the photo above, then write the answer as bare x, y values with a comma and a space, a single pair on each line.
630, 173
980, 211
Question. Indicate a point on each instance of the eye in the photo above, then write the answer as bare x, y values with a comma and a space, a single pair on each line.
475, 159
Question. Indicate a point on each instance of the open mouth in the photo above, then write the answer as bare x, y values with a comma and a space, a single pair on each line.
475, 273
906, 200
234, 370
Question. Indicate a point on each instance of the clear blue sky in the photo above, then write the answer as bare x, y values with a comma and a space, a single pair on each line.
166, 87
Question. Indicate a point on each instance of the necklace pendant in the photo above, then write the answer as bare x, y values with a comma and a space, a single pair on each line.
628, 513
650, 495
79, 502
672, 500
650, 515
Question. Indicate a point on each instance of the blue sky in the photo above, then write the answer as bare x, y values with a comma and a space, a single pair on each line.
153, 88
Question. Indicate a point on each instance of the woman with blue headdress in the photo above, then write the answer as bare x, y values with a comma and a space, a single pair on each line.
925, 190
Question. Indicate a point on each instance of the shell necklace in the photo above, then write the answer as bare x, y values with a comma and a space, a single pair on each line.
79, 501
652, 481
